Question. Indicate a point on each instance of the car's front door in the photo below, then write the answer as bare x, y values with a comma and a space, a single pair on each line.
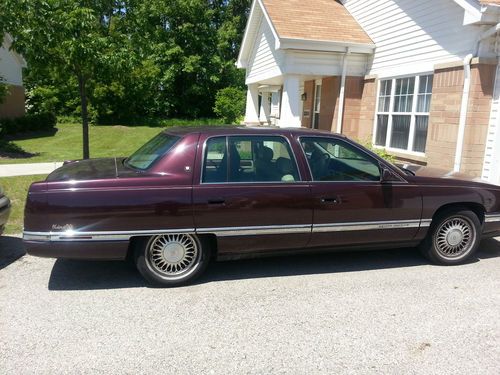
250, 194
352, 206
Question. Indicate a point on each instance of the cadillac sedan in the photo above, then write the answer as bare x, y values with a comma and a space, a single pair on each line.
190, 195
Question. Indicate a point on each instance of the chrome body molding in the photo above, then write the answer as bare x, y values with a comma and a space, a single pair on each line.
255, 231
73, 236
396, 224
83, 236
492, 218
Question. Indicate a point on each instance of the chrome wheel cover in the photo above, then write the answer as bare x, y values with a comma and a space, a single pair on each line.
173, 256
455, 238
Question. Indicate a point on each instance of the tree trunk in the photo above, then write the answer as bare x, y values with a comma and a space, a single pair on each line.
85, 116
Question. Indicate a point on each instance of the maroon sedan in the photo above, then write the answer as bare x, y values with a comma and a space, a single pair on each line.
193, 194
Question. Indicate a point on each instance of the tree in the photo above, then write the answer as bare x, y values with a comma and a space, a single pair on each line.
71, 36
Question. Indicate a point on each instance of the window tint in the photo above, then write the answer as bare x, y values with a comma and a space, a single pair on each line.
334, 160
249, 159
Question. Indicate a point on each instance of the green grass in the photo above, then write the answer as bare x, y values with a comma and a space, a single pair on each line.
66, 143
16, 188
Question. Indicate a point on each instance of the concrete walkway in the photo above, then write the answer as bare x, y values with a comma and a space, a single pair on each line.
10, 170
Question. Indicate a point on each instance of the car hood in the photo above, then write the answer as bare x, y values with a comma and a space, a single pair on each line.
92, 169
421, 171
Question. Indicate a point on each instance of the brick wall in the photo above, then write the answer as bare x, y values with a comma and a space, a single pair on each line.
444, 117
13, 104
478, 115
307, 112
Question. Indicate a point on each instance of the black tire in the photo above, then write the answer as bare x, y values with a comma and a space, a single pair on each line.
157, 265
453, 238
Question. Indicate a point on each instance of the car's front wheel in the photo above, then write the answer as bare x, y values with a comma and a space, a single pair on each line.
454, 237
172, 259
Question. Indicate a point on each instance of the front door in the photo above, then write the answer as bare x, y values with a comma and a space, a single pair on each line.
250, 195
351, 204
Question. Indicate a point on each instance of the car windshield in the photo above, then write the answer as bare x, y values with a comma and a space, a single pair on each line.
148, 154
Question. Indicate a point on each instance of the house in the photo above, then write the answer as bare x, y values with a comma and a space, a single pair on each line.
420, 79
11, 73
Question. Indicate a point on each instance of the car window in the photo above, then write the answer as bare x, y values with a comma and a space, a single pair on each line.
215, 161
249, 159
153, 150
335, 160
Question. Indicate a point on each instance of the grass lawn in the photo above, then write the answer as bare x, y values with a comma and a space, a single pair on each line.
16, 188
66, 143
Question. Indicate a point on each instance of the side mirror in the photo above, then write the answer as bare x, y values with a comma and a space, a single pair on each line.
387, 175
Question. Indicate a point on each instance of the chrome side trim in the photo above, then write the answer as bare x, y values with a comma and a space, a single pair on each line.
74, 236
255, 231
346, 227
492, 218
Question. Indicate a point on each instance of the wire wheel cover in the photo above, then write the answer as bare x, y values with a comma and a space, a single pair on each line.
455, 237
173, 254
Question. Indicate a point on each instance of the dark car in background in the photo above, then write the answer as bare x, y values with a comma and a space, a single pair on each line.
4, 210
193, 194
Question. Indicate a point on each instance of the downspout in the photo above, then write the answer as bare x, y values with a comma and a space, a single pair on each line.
465, 96
340, 113
463, 113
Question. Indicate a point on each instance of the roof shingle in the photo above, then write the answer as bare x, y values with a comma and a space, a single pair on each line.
321, 20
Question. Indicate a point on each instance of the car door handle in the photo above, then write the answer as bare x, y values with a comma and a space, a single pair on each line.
218, 201
333, 200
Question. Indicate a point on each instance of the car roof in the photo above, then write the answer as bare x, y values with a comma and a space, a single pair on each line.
245, 130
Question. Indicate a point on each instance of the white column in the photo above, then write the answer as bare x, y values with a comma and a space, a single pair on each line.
252, 109
290, 105
265, 109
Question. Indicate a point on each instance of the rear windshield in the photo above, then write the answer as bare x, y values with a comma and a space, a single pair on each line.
152, 151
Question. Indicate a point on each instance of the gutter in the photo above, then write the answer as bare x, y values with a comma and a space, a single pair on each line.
465, 96
340, 114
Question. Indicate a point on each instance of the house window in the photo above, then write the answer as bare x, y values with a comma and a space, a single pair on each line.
403, 113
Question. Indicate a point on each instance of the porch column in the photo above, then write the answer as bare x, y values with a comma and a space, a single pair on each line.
290, 108
252, 109
265, 108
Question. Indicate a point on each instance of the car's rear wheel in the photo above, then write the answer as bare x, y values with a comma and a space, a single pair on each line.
454, 237
172, 259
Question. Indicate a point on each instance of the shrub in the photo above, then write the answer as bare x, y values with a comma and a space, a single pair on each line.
380, 152
230, 104
4, 91
30, 122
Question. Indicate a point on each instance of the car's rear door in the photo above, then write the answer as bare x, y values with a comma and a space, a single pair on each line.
352, 206
248, 191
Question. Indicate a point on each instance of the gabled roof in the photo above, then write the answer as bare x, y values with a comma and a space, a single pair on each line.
7, 43
317, 25
494, 2
322, 20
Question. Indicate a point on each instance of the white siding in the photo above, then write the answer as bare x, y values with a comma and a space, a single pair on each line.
412, 36
323, 64
10, 68
491, 168
265, 59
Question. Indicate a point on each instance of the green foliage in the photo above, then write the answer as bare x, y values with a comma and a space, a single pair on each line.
380, 152
230, 104
30, 122
4, 91
135, 58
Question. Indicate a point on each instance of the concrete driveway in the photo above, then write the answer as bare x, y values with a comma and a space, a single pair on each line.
379, 312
